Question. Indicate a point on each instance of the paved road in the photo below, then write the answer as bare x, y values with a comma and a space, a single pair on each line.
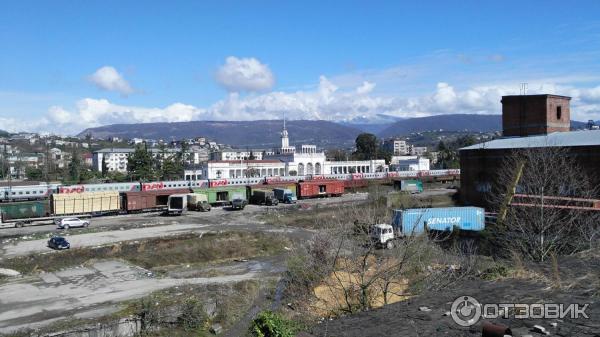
99, 239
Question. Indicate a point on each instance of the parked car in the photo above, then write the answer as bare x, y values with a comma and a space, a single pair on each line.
67, 223
238, 203
58, 242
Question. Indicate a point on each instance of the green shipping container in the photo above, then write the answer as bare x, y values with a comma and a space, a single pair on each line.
25, 210
221, 195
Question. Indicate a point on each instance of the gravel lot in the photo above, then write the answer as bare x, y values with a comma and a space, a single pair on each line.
85, 291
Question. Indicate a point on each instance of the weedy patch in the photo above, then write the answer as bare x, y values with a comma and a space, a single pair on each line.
158, 252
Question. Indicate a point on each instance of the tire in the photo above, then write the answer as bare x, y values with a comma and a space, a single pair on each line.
86, 224
389, 244
66, 227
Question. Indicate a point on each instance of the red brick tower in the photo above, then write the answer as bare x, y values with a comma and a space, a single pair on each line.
526, 115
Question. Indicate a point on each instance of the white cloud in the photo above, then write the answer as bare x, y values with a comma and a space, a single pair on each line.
327, 100
365, 88
108, 78
245, 74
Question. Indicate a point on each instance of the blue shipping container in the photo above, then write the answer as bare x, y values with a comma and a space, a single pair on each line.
414, 220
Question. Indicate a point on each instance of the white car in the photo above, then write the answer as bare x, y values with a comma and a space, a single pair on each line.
67, 223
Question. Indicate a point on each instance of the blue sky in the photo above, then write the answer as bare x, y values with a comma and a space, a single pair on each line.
67, 65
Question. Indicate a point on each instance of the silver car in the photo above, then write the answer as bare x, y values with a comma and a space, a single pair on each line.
66, 223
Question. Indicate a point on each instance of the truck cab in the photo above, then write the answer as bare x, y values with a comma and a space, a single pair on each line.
383, 235
285, 195
198, 202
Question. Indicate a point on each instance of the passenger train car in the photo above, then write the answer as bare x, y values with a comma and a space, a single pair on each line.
44, 191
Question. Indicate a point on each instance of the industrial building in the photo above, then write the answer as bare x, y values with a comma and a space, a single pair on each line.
529, 121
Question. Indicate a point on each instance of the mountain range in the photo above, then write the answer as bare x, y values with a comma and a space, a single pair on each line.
250, 134
325, 134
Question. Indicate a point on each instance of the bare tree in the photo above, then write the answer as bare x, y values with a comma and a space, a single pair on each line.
540, 195
342, 270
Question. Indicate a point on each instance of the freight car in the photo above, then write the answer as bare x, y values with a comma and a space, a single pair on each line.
151, 200
320, 188
19, 213
94, 203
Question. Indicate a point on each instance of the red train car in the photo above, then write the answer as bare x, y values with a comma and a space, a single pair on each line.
356, 183
320, 188
149, 200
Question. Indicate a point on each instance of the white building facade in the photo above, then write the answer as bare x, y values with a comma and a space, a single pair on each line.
283, 161
239, 154
115, 159
409, 163
229, 169
358, 166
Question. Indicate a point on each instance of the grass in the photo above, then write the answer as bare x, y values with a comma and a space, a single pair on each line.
159, 252
303, 218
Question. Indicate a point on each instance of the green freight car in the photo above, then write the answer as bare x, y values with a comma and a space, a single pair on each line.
222, 195
24, 210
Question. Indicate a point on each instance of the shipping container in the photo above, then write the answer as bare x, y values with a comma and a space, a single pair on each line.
320, 188
222, 195
24, 210
417, 220
86, 202
149, 200
409, 185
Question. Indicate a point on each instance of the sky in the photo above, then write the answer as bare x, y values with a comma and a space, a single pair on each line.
69, 65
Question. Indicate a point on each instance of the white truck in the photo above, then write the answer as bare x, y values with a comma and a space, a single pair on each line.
383, 235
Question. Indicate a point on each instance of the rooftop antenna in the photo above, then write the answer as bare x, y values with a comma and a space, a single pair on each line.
523, 90
284, 119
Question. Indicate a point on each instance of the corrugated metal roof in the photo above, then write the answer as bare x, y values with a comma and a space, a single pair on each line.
573, 138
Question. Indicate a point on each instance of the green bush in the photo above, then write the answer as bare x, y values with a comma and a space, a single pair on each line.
270, 324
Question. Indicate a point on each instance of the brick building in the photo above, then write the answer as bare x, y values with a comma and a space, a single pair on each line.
527, 115
545, 122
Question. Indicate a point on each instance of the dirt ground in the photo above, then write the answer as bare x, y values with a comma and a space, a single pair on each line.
86, 291
98, 288
579, 280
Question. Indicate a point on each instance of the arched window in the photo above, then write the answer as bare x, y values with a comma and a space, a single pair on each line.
318, 168
309, 168
300, 169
